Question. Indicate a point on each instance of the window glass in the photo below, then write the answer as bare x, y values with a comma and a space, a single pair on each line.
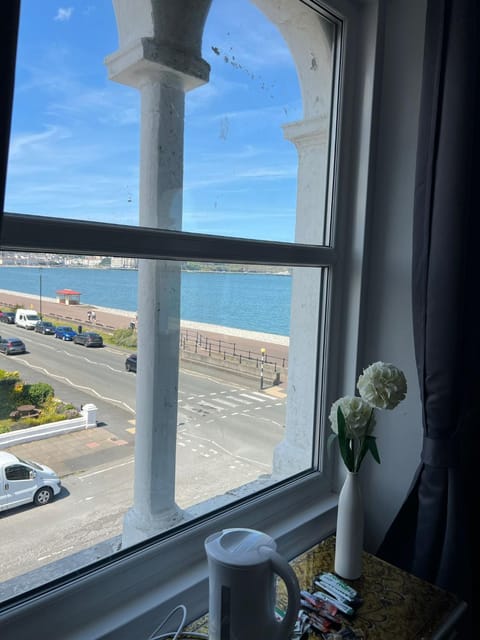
17, 472
225, 387
207, 389
247, 132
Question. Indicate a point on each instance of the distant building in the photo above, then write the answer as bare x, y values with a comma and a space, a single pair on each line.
124, 263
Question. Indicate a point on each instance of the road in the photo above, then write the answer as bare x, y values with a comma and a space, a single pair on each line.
227, 431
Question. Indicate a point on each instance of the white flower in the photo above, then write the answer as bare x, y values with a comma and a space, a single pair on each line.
382, 385
357, 413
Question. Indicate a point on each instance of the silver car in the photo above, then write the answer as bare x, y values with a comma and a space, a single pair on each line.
9, 346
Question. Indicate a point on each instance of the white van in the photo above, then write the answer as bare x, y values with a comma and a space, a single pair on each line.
24, 481
26, 318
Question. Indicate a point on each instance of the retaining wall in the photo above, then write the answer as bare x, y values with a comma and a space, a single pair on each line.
87, 420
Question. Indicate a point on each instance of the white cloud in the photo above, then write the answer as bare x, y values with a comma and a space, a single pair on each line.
63, 14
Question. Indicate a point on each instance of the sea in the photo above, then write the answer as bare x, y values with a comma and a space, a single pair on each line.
250, 301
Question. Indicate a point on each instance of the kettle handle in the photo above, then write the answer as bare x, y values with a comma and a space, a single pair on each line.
285, 571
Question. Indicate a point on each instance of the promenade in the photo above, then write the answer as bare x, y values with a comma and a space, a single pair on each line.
107, 319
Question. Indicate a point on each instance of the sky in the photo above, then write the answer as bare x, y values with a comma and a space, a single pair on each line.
74, 150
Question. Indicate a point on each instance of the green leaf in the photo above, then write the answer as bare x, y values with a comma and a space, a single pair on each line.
372, 446
344, 442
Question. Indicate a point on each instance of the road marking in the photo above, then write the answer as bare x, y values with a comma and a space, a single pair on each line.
238, 459
105, 469
210, 405
80, 386
239, 400
55, 553
226, 402
260, 395
246, 395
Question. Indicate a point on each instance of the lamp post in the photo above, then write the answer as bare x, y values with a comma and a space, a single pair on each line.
262, 351
40, 285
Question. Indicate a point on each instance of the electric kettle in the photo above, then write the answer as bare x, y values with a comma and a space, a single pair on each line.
243, 566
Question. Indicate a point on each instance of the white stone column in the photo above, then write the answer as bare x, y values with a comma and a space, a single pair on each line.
163, 77
161, 183
294, 453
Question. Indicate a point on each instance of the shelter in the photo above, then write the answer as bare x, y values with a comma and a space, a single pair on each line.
67, 296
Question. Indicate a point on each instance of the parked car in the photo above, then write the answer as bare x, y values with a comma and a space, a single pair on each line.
89, 339
65, 333
7, 316
9, 346
131, 363
45, 327
24, 481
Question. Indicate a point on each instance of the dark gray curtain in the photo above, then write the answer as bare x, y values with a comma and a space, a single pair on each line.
8, 42
434, 535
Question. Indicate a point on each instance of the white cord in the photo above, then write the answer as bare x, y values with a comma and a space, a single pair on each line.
179, 632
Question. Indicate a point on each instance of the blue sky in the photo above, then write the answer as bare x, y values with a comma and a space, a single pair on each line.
75, 134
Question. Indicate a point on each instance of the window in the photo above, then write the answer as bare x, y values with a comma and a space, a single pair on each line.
17, 472
239, 217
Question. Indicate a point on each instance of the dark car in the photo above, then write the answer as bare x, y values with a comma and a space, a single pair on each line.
9, 346
89, 339
45, 327
7, 316
65, 333
131, 363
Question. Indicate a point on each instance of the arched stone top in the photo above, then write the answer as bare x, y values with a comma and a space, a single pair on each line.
311, 43
179, 23
165, 36
160, 39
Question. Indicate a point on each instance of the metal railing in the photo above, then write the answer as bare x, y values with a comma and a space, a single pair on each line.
196, 342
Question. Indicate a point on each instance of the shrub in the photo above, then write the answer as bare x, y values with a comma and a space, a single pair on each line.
8, 397
38, 393
125, 338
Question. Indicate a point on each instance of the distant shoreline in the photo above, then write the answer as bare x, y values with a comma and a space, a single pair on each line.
101, 268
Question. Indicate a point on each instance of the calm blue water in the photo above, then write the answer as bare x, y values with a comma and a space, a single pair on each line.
256, 302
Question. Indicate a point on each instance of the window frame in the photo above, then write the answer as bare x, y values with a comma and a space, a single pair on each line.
128, 594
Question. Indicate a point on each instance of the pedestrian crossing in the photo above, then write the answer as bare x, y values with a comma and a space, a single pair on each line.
229, 402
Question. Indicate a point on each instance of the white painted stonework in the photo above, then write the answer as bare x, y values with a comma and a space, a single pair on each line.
160, 54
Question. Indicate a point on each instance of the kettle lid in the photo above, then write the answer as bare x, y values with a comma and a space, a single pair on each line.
239, 546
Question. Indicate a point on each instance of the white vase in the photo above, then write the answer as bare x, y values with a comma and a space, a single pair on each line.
349, 534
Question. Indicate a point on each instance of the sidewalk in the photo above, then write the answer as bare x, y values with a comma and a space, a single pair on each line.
77, 451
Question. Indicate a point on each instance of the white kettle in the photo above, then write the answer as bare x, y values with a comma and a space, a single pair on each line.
243, 565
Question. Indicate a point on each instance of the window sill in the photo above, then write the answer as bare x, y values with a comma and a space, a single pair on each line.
127, 595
